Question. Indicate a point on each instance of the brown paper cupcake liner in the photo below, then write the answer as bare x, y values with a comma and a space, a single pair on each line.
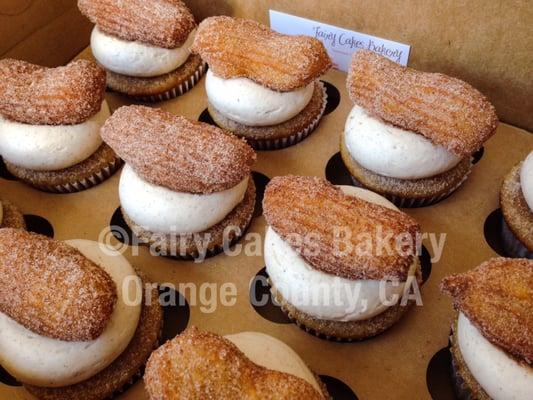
214, 251
411, 202
462, 392
512, 246
84, 184
183, 88
281, 143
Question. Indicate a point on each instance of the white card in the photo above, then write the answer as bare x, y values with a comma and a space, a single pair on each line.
340, 43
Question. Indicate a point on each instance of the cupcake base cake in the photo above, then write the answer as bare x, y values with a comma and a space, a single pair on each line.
517, 227
338, 285
345, 331
159, 88
186, 188
268, 91
184, 246
145, 49
50, 125
124, 370
408, 192
90, 172
282, 135
11, 216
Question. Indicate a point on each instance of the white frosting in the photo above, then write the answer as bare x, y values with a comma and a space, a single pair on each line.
136, 58
244, 101
502, 377
161, 210
322, 295
43, 361
51, 147
271, 353
526, 180
394, 152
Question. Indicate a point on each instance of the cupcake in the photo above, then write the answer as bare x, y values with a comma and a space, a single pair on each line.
341, 261
516, 199
71, 328
411, 134
492, 340
50, 121
262, 85
144, 46
186, 188
248, 365
10, 216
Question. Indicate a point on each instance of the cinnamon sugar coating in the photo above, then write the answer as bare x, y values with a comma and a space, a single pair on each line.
446, 110
177, 153
161, 23
52, 289
203, 365
497, 297
38, 95
317, 219
235, 47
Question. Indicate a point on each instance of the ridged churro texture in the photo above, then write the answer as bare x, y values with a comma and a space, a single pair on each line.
236, 48
177, 153
203, 365
497, 297
339, 234
52, 289
37, 95
161, 23
446, 110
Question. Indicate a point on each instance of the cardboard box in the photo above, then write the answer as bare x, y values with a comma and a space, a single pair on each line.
486, 43
407, 361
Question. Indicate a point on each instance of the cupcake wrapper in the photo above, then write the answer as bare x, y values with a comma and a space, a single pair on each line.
139, 374
183, 88
210, 252
276, 144
512, 246
407, 202
86, 183
461, 389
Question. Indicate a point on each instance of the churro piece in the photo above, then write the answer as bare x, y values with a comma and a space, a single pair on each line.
242, 48
203, 365
338, 234
161, 23
497, 297
446, 110
177, 153
37, 95
52, 289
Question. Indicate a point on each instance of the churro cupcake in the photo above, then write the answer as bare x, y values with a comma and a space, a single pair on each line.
262, 85
186, 189
492, 340
516, 199
144, 46
341, 261
411, 134
71, 325
243, 366
10, 216
50, 121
